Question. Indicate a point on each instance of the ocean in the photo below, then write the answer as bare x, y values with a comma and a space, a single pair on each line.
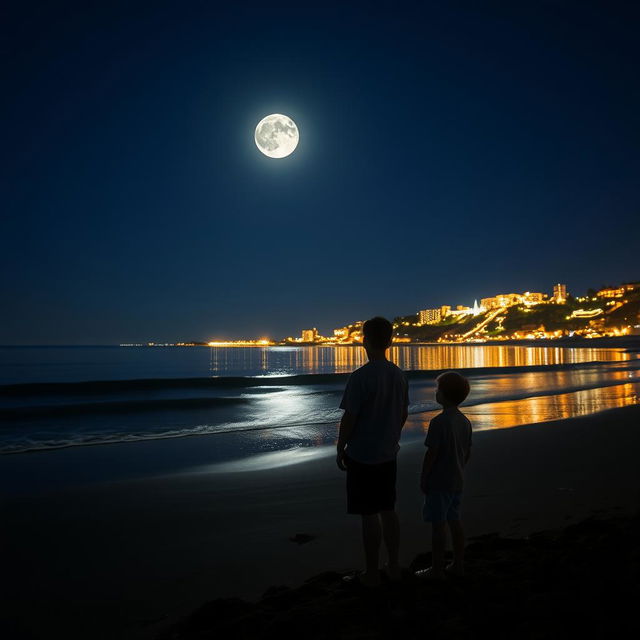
252, 401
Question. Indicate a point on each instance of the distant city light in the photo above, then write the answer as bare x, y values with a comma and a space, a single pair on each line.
491, 314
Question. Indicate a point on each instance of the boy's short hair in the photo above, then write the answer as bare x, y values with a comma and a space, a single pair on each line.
453, 386
378, 332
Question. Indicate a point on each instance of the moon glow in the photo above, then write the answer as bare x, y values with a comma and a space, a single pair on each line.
277, 135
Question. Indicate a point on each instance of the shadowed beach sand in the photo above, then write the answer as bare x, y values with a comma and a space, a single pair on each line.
127, 559
551, 584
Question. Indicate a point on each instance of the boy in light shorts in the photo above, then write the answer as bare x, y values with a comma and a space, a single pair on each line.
448, 445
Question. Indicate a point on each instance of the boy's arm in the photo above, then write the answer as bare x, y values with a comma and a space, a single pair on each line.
427, 465
432, 442
405, 410
351, 402
466, 458
405, 415
347, 424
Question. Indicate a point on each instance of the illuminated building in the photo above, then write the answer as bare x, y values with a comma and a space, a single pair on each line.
309, 335
350, 333
510, 299
355, 331
611, 292
341, 334
490, 303
560, 293
430, 316
507, 299
433, 316
533, 298
461, 310
501, 300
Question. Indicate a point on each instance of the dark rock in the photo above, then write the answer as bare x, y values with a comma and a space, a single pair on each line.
275, 591
302, 538
326, 578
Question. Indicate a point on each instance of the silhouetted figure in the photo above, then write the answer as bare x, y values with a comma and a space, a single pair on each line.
375, 406
448, 445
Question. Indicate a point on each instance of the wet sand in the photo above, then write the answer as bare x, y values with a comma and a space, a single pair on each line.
123, 560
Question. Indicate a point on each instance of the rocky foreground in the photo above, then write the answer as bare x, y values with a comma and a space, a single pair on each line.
580, 581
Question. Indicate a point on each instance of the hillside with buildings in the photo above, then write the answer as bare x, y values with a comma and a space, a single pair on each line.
608, 312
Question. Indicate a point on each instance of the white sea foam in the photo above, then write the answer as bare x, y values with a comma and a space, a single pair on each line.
271, 460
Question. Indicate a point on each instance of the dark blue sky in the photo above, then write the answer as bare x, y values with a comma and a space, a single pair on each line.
449, 151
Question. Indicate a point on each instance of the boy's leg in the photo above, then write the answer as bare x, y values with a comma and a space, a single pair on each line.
435, 506
371, 538
438, 542
457, 535
457, 541
391, 534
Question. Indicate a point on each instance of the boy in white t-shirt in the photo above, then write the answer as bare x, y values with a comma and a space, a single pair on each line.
375, 404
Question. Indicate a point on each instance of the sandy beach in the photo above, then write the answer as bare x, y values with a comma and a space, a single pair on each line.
126, 559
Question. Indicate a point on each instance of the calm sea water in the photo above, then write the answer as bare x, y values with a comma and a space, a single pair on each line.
20, 365
257, 400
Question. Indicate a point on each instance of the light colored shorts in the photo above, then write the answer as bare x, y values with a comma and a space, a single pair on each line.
440, 506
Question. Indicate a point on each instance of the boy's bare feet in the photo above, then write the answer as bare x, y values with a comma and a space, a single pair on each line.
429, 574
393, 572
453, 569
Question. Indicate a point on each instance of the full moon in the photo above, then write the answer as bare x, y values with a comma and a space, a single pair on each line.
277, 135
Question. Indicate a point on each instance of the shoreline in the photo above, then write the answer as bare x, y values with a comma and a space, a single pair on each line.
162, 546
159, 454
234, 411
634, 340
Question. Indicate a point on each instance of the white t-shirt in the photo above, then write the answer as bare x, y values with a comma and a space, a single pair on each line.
450, 431
377, 394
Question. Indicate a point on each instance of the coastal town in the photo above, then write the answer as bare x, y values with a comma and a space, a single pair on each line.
611, 311
607, 312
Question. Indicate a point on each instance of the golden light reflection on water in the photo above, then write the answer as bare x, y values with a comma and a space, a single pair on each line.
343, 359
536, 381
513, 413
477, 356
465, 357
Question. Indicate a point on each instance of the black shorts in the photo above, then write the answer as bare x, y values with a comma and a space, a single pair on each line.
371, 488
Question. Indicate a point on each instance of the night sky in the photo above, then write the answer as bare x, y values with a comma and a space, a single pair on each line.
449, 151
